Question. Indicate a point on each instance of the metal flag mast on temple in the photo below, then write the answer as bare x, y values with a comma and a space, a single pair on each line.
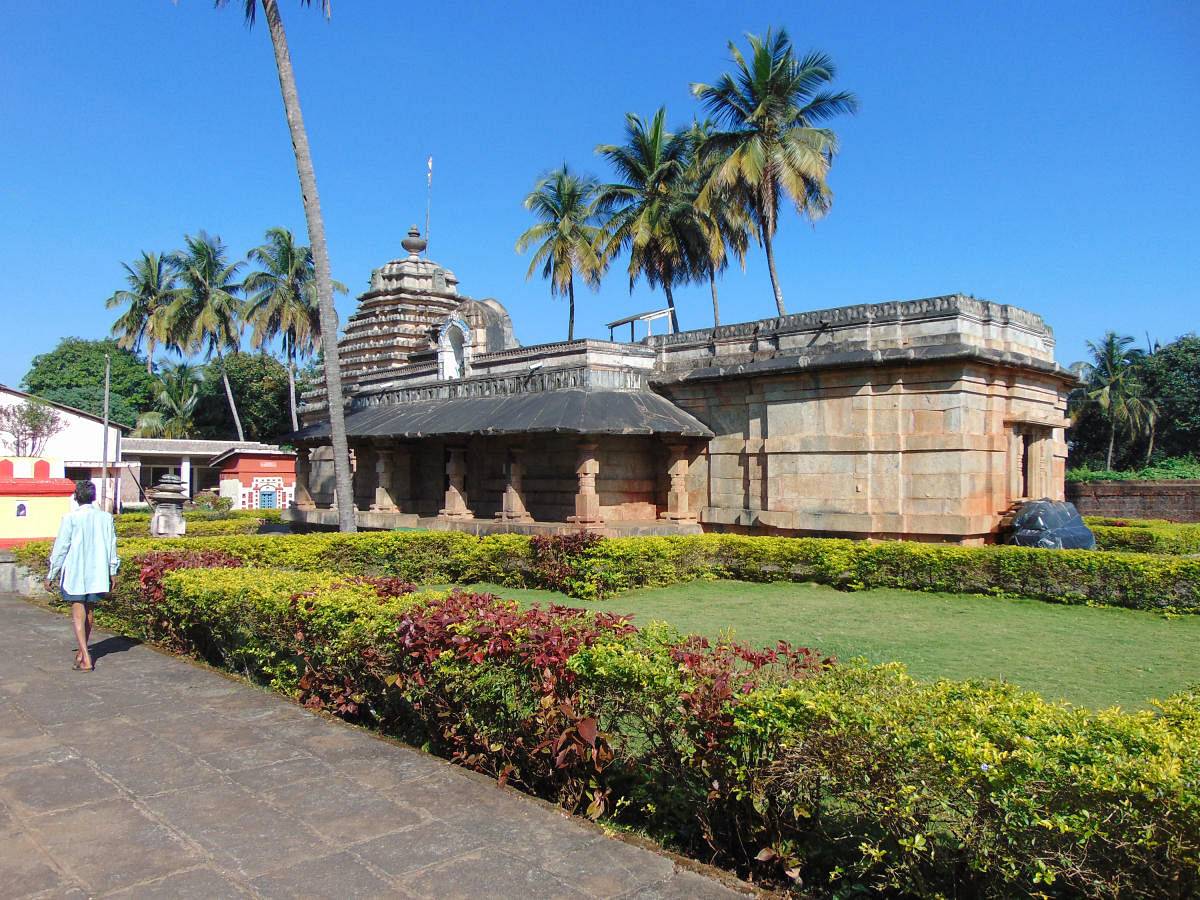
428, 199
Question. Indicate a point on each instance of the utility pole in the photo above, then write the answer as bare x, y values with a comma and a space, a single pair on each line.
104, 461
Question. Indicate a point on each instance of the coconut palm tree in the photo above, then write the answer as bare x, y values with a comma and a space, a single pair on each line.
316, 238
567, 232
770, 107
724, 216
653, 213
1112, 386
177, 390
207, 315
151, 291
281, 301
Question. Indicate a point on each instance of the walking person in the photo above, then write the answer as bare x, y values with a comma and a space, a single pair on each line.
85, 552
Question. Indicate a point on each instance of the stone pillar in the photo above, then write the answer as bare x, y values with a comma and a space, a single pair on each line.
401, 477
456, 494
587, 501
303, 497
512, 504
185, 476
1016, 463
364, 477
385, 500
677, 495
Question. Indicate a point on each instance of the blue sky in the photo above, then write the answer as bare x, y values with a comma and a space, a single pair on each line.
1038, 154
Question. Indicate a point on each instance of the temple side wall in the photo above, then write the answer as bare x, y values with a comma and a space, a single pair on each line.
931, 452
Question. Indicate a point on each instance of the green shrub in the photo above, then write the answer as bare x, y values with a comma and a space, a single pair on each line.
1180, 467
776, 763
593, 568
1147, 536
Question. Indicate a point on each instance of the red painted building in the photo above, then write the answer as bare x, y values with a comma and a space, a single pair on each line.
257, 479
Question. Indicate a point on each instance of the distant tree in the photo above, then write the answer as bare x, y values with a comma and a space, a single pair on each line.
29, 426
653, 213
1111, 386
281, 301
207, 315
91, 400
316, 237
770, 106
151, 292
568, 235
73, 374
260, 384
1170, 376
178, 394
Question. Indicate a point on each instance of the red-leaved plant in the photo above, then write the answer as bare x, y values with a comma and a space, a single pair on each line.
492, 684
159, 624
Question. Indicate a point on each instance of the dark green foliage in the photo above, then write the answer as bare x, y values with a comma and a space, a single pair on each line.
1171, 376
1171, 468
75, 369
260, 385
90, 399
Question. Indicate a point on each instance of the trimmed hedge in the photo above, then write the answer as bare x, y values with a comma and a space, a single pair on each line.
590, 567
1146, 536
201, 523
777, 763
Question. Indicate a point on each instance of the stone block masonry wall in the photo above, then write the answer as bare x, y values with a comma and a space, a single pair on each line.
924, 451
1178, 501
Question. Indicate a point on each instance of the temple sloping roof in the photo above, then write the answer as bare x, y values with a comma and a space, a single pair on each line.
568, 411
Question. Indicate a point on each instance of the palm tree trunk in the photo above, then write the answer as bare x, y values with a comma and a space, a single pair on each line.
1150, 447
291, 367
150, 356
571, 315
1112, 437
324, 278
671, 306
766, 236
712, 283
237, 421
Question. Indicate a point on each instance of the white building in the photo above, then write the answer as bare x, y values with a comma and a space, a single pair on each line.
83, 444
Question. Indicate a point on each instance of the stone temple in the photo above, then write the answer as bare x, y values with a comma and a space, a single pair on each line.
924, 419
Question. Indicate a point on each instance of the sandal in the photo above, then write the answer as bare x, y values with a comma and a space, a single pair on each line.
80, 667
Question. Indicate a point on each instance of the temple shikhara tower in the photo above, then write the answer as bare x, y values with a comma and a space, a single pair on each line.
926, 419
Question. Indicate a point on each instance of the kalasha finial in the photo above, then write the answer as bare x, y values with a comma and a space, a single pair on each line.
414, 243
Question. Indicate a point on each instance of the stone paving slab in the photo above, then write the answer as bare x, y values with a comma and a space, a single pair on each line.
155, 777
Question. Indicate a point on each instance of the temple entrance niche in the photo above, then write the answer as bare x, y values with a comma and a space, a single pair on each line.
1030, 461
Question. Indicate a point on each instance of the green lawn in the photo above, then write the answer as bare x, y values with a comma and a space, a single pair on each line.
1090, 657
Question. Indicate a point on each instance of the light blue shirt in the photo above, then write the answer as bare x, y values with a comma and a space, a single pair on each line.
85, 551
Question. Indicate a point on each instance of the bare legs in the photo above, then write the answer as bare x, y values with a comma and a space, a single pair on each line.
81, 616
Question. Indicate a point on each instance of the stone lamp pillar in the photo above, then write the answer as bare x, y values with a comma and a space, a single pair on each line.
456, 494
167, 497
587, 501
303, 495
512, 504
677, 495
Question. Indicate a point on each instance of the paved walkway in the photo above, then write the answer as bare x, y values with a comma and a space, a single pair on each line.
155, 777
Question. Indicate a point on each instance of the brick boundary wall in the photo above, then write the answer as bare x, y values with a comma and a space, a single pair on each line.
1178, 501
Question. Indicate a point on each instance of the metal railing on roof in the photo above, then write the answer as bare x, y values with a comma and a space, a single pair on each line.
646, 317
